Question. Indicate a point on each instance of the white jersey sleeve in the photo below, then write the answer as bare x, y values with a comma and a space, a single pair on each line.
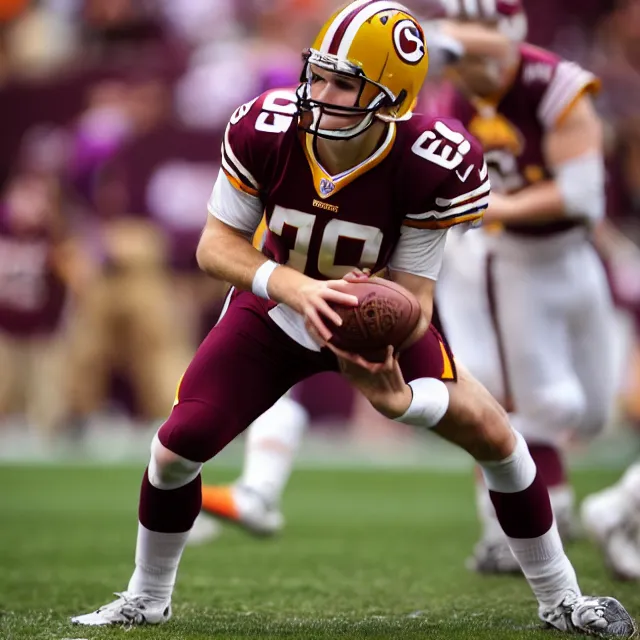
569, 82
419, 252
235, 207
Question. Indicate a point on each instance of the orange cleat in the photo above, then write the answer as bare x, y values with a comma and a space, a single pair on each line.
242, 506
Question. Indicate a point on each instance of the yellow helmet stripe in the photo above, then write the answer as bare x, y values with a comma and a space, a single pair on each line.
360, 18
337, 21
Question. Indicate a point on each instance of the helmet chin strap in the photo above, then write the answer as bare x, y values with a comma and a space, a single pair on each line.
344, 133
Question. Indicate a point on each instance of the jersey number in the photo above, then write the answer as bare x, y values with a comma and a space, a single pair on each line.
303, 223
447, 149
274, 117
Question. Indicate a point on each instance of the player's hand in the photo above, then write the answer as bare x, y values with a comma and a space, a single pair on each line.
357, 275
313, 304
500, 209
381, 383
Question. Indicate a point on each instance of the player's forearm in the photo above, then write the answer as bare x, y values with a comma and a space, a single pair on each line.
423, 289
227, 255
477, 39
541, 202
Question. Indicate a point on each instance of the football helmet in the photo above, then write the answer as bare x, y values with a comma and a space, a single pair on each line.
378, 42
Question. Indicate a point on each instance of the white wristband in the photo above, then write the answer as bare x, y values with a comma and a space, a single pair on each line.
429, 403
261, 279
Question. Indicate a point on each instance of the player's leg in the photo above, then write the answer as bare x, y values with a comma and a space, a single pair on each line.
46, 393
253, 501
474, 421
158, 349
463, 297
244, 365
612, 518
593, 341
523, 508
14, 374
533, 301
464, 309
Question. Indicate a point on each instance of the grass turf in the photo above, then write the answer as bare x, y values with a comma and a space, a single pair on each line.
366, 554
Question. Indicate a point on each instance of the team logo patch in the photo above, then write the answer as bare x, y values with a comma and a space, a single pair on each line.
408, 41
326, 187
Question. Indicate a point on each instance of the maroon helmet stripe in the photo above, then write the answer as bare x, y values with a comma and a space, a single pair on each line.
339, 34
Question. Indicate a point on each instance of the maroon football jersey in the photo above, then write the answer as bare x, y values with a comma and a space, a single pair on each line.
512, 130
427, 173
32, 295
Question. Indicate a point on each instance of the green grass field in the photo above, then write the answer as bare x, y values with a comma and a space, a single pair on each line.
366, 554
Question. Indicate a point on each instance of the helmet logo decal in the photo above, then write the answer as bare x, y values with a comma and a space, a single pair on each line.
326, 187
408, 42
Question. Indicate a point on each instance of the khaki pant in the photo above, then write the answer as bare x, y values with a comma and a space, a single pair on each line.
33, 380
130, 321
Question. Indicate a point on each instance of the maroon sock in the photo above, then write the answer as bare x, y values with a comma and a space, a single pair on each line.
524, 514
169, 511
550, 463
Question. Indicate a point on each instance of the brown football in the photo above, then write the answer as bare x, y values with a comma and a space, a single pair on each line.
387, 315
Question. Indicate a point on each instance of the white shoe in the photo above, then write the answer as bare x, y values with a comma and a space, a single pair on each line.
602, 512
204, 530
596, 616
615, 527
622, 551
493, 558
244, 507
128, 610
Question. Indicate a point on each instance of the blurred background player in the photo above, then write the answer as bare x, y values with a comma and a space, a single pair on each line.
36, 273
547, 292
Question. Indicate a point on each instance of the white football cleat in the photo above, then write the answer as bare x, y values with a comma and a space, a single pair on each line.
243, 507
204, 530
622, 551
602, 512
493, 558
591, 615
615, 527
128, 610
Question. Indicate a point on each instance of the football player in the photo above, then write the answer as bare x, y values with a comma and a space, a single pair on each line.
348, 179
552, 312
273, 440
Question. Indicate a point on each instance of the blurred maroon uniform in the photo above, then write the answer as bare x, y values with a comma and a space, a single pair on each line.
426, 176
32, 295
542, 92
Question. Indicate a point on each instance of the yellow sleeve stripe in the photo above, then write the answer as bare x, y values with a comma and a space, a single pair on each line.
592, 86
239, 185
444, 223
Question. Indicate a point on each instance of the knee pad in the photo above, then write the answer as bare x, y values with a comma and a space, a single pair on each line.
513, 474
168, 470
551, 413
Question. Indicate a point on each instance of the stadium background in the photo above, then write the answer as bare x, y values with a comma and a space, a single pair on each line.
111, 113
